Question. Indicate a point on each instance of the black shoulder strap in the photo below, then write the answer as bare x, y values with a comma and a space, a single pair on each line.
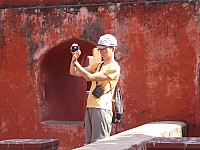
99, 70
101, 66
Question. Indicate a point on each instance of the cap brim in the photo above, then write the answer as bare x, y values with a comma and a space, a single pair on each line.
101, 46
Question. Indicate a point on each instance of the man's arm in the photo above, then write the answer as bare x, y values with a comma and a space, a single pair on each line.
98, 76
73, 70
77, 70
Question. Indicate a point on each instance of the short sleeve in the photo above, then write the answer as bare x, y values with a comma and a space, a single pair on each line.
112, 70
93, 67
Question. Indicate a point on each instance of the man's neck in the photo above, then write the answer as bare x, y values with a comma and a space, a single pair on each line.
108, 61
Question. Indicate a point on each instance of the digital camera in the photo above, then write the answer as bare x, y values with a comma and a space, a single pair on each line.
75, 47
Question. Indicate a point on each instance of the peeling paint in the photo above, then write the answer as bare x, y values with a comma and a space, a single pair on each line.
3, 127
92, 31
2, 36
113, 10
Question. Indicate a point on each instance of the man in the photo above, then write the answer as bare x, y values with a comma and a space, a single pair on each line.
98, 116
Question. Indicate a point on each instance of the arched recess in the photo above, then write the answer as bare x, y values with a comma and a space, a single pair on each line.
62, 96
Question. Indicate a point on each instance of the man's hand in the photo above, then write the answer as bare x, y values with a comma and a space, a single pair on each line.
75, 50
75, 55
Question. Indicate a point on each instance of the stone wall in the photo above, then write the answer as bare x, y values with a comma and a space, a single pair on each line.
158, 52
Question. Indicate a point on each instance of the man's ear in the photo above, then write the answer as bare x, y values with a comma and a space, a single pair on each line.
113, 49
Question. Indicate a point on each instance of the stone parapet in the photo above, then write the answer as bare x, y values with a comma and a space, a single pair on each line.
29, 144
136, 138
174, 143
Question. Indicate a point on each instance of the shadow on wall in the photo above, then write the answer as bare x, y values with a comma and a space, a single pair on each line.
62, 96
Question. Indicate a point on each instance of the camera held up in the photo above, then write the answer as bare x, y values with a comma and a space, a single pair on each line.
75, 47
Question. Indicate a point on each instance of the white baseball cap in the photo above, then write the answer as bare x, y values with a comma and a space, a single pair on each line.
107, 40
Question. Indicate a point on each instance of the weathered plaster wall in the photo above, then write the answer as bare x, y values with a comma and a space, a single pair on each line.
45, 3
158, 52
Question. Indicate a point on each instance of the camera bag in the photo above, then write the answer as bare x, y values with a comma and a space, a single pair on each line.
98, 91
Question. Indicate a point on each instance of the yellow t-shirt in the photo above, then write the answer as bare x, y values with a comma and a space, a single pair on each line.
112, 70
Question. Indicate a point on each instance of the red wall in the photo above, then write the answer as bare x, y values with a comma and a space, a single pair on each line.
158, 52
41, 3
60, 95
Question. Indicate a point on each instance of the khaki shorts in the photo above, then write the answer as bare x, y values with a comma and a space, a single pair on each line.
98, 123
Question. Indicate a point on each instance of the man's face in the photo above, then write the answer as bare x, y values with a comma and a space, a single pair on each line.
106, 52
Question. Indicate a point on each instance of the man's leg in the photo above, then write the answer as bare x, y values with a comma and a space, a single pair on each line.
101, 123
88, 126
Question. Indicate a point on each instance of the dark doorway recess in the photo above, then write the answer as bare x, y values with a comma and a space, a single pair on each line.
62, 96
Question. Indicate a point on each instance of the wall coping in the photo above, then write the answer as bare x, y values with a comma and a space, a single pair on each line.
30, 144
137, 137
175, 143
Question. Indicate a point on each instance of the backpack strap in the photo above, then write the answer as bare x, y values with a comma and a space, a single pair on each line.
118, 82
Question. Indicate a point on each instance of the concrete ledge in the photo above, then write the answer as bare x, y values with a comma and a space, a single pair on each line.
29, 144
174, 143
136, 138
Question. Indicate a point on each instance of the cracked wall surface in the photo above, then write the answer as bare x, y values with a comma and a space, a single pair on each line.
158, 51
